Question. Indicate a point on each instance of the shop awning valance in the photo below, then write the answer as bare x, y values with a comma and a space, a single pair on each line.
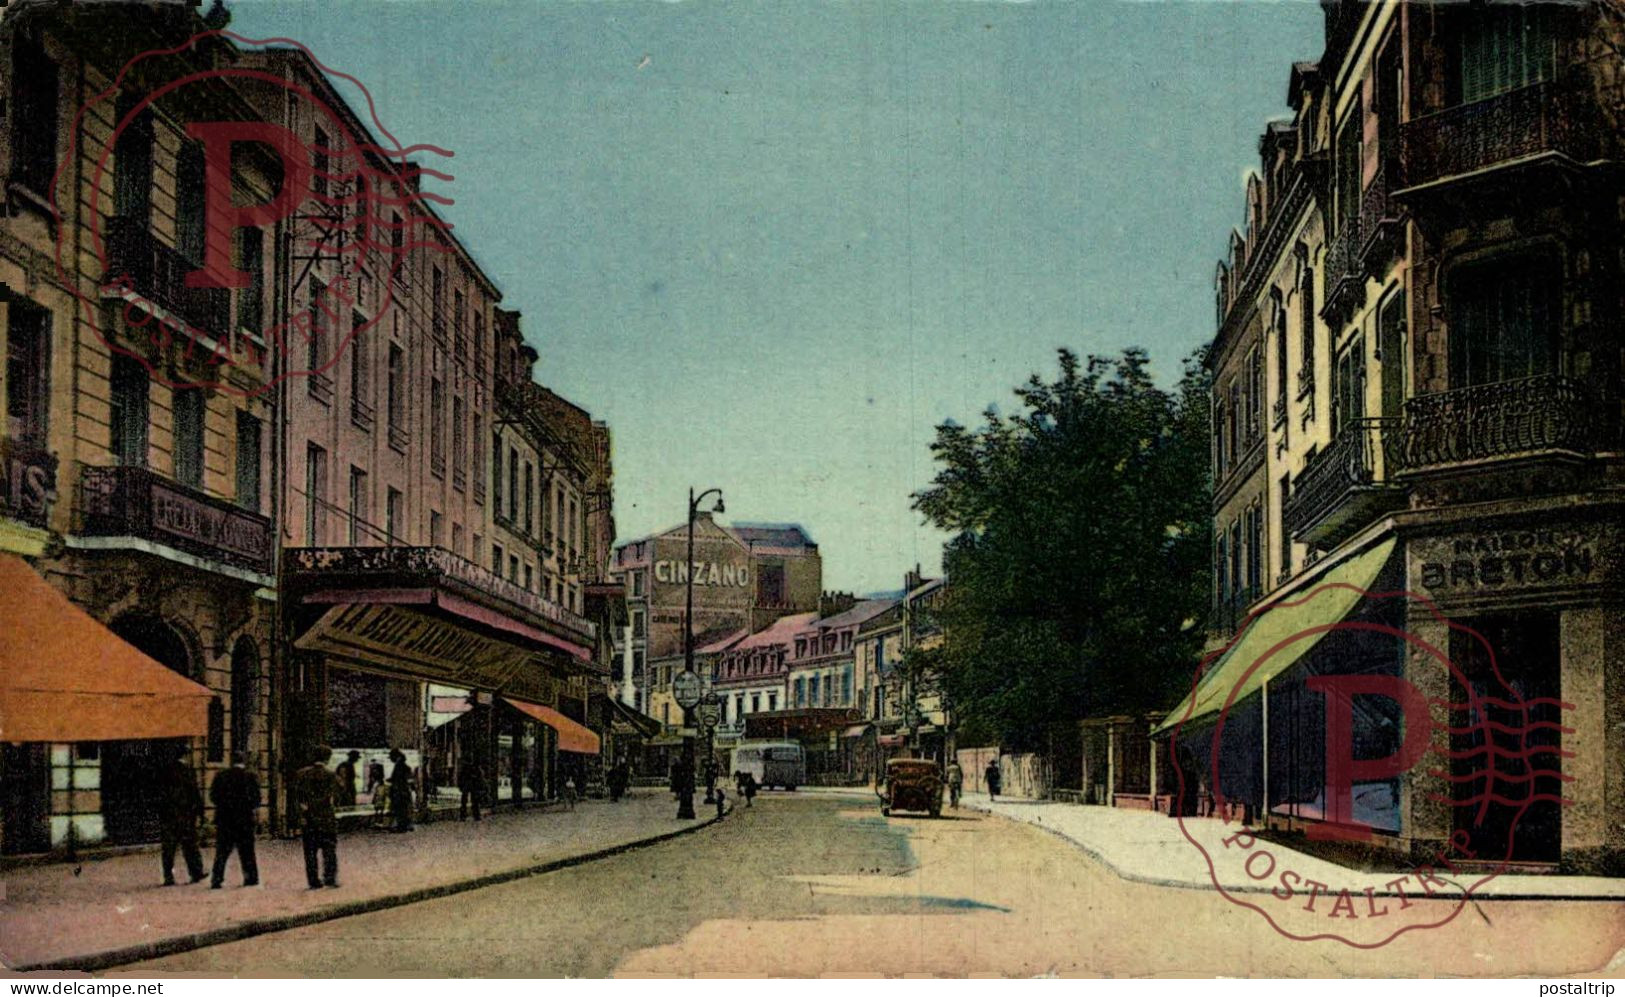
66, 677
1326, 600
572, 736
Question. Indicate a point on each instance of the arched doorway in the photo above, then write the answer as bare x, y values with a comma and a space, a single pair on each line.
130, 769
245, 686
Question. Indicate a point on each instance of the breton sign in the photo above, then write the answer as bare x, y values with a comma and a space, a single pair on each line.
1507, 560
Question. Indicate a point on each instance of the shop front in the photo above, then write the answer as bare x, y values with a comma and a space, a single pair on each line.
430, 654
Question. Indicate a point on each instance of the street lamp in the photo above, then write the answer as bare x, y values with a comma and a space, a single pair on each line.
688, 688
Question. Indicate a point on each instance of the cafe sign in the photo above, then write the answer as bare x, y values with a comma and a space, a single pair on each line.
1510, 560
27, 482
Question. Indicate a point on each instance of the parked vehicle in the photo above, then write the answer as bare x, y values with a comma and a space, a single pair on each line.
911, 784
772, 763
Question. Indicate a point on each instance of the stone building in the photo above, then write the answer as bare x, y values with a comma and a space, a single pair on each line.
1432, 269
137, 437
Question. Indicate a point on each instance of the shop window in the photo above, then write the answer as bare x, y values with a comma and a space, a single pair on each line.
1504, 319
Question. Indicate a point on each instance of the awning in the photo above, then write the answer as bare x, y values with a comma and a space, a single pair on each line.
857, 730
627, 720
572, 736
1325, 601
890, 740
66, 677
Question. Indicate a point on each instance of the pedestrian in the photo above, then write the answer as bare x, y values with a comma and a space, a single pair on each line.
749, 788
570, 792
375, 777
992, 778
314, 790
235, 793
956, 782
471, 787
179, 806
400, 791
617, 780
346, 776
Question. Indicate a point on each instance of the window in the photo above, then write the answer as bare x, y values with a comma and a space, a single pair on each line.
1502, 47
437, 427
801, 692
1280, 351
846, 686
547, 516
479, 455
812, 690
457, 323
756, 702
1348, 386
1504, 319
394, 517
1255, 392
358, 505
132, 163
637, 624
496, 559
189, 407
397, 388
513, 567
128, 410
28, 372
513, 483
313, 351
360, 364
530, 504
190, 188
34, 114
437, 291
1236, 555
1306, 330
1221, 568
529, 581
315, 493
459, 441
1280, 524
1349, 183
435, 529
772, 701
479, 342
397, 236
251, 299
1255, 549
320, 162
248, 461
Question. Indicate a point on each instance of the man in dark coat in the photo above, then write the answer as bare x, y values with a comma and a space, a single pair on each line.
992, 777
179, 806
471, 785
346, 776
236, 795
400, 791
617, 780
314, 790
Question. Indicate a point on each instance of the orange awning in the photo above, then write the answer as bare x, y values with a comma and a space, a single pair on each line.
65, 677
572, 736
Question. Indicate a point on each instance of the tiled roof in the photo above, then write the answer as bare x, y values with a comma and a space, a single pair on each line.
779, 633
866, 610
723, 644
772, 534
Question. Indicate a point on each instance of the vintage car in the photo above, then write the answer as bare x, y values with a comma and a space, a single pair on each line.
911, 784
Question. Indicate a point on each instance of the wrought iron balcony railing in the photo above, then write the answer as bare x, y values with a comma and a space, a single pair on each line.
157, 273
136, 502
1532, 415
1343, 486
1497, 131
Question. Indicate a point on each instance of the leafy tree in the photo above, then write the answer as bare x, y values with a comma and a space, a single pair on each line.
1079, 560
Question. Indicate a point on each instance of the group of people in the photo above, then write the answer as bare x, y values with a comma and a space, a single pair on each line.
317, 794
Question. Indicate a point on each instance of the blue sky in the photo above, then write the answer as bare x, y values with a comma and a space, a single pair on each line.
775, 244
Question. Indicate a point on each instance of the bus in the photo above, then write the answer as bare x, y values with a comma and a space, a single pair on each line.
773, 763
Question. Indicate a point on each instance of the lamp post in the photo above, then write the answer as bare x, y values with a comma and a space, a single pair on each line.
687, 689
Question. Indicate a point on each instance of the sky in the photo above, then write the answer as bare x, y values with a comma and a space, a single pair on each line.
773, 245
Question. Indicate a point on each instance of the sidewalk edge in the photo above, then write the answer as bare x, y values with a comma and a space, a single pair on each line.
1183, 884
263, 926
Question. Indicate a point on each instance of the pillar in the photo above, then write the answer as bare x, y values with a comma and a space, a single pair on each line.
1592, 642
1426, 821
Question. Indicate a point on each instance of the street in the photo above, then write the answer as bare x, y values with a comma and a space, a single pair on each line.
819, 883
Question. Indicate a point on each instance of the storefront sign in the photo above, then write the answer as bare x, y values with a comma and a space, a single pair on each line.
27, 482
705, 573
1507, 559
401, 641
213, 526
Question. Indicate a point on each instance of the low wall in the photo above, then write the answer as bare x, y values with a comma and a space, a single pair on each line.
1023, 776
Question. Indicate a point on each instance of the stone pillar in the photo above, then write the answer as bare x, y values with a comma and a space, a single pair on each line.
1593, 681
1426, 821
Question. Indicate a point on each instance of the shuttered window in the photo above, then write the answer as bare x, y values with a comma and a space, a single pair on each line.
1505, 46
189, 437
1504, 319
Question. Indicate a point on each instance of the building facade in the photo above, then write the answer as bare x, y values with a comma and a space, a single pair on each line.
1431, 281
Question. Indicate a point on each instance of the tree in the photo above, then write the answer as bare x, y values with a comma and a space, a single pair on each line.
1079, 560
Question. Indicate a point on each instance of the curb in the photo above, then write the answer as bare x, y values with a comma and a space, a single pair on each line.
1181, 884
249, 929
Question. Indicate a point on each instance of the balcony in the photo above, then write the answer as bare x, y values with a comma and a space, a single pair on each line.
1348, 484
361, 414
1365, 240
1544, 121
140, 264
378, 568
137, 503
1534, 416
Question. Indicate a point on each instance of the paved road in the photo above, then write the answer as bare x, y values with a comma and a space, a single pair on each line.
815, 883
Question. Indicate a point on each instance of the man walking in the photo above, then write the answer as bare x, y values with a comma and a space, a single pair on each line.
471, 785
179, 806
346, 776
992, 778
314, 790
236, 795
956, 782
400, 791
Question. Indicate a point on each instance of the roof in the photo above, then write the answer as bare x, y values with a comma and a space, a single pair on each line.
866, 610
723, 643
773, 534
928, 587
779, 633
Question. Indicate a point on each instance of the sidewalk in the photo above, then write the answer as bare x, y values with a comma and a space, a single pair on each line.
1150, 848
114, 911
